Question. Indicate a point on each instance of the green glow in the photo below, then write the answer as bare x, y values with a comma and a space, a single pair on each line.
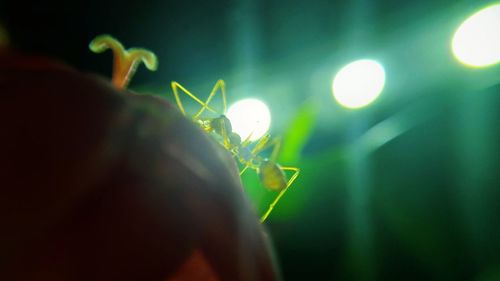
476, 42
358, 83
249, 116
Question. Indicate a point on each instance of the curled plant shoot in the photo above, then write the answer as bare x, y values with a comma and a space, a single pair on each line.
125, 61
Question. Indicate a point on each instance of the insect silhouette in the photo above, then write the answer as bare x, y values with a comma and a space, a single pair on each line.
247, 153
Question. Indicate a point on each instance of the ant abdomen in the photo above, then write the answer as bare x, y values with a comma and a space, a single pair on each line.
271, 175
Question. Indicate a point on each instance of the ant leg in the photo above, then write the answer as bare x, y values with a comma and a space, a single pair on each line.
296, 172
289, 183
225, 137
218, 85
261, 143
264, 144
246, 142
248, 164
276, 149
175, 86
244, 169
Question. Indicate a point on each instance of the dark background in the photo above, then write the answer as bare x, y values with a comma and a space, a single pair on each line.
404, 189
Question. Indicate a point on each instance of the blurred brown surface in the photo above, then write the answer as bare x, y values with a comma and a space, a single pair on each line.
97, 184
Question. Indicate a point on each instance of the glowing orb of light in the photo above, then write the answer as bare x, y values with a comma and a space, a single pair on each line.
249, 116
359, 83
476, 42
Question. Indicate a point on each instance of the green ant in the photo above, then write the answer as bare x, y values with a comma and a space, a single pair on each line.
271, 174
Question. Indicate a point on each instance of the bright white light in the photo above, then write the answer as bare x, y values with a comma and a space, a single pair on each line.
477, 41
249, 116
358, 83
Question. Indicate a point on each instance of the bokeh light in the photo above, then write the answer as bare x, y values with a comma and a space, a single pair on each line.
359, 83
249, 116
476, 42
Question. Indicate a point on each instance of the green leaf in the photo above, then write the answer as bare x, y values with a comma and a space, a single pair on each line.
298, 134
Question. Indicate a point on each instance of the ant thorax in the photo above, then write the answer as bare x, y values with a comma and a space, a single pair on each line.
221, 125
248, 158
245, 155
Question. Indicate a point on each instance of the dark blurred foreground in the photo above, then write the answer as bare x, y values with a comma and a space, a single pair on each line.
97, 184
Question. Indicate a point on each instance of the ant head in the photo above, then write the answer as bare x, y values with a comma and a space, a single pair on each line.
221, 125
